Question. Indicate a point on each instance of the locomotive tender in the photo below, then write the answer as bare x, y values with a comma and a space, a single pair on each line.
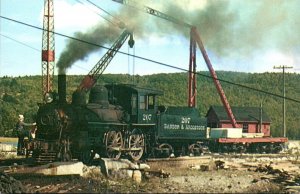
122, 120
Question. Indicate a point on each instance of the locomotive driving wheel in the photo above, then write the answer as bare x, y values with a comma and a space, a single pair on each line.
164, 150
136, 144
113, 143
195, 149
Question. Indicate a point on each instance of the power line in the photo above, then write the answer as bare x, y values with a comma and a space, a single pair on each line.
33, 48
108, 20
153, 61
20, 42
119, 21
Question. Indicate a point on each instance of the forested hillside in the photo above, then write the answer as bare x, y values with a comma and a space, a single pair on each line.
21, 95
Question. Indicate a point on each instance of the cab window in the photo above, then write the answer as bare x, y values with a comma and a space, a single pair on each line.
143, 102
151, 102
133, 101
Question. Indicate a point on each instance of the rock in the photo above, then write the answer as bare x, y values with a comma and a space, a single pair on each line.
204, 167
143, 166
158, 173
195, 167
91, 171
219, 164
137, 176
129, 173
62, 168
112, 165
56, 168
254, 180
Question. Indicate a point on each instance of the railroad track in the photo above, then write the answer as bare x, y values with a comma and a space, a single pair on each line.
243, 156
8, 165
182, 162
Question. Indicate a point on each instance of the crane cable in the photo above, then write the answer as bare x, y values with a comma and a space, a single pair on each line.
119, 22
108, 20
120, 25
114, 17
131, 56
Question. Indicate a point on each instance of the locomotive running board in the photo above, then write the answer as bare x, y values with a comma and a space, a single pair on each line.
126, 149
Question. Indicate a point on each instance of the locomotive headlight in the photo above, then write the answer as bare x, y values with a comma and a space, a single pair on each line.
48, 97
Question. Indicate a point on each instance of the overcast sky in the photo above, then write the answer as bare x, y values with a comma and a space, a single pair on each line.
239, 35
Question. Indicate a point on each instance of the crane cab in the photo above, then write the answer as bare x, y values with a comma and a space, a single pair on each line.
140, 103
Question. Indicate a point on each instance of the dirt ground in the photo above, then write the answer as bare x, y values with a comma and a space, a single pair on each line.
238, 176
182, 181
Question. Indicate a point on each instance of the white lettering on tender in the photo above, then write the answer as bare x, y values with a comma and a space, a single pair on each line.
184, 127
185, 120
171, 126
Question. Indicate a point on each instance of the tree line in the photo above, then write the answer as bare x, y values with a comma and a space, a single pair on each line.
21, 95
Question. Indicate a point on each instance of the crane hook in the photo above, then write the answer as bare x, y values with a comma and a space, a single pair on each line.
131, 41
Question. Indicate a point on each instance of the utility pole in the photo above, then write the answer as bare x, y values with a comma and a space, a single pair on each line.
283, 67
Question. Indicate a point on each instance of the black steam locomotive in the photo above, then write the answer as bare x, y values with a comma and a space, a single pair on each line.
118, 120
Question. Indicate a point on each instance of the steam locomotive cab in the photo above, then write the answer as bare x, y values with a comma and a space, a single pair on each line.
141, 105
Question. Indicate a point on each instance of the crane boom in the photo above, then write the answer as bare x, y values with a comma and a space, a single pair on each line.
195, 37
152, 11
48, 47
192, 84
90, 79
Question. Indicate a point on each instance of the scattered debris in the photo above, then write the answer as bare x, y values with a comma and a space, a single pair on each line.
8, 184
156, 173
224, 174
220, 164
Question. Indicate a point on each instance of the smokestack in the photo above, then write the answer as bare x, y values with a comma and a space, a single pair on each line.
62, 88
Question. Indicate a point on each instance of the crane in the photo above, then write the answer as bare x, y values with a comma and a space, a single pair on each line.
48, 47
194, 39
192, 79
196, 36
90, 79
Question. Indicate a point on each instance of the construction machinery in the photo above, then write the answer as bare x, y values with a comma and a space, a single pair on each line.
48, 47
194, 39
